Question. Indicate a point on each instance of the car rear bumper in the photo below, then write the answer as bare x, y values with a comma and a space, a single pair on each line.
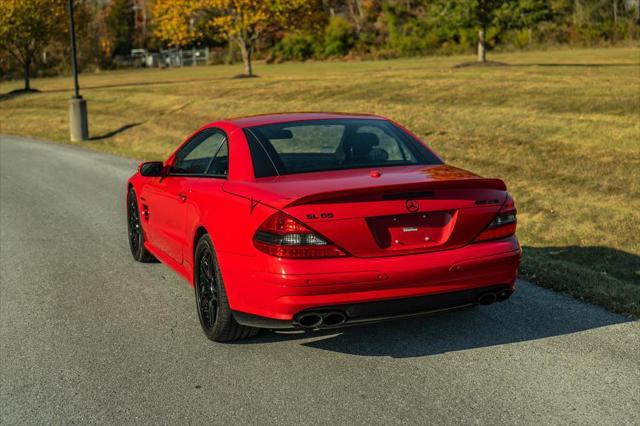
384, 310
405, 285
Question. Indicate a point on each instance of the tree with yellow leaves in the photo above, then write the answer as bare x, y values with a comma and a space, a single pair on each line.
175, 21
245, 21
26, 26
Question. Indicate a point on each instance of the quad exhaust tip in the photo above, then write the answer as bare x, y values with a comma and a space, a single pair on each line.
491, 297
503, 295
310, 320
318, 320
334, 318
487, 298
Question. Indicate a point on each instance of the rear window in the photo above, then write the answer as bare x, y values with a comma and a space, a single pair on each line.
321, 145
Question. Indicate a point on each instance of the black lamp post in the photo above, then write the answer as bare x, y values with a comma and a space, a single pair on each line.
78, 122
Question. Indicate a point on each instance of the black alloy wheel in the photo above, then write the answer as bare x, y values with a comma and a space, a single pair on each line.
206, 290
214, 312
134, 229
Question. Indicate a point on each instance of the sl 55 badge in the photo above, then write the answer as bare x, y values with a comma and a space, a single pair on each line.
320, 216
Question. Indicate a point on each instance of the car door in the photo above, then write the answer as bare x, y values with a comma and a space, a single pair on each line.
167, 197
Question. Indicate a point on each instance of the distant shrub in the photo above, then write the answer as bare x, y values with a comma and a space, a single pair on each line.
521, 38
382, 54
410, 38
468, 39
553, 33
339, 37
295, 47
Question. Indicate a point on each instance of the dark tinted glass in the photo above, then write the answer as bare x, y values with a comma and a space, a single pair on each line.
319, 145
220, 164
262, 165
198, 156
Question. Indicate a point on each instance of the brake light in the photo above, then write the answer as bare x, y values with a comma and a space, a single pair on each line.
283, 236
503, 225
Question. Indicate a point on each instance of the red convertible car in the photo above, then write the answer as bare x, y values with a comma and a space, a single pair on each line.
317, 220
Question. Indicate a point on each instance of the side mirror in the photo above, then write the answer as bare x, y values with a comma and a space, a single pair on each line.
152, 169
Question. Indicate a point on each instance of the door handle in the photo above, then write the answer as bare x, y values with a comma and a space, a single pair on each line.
183, 196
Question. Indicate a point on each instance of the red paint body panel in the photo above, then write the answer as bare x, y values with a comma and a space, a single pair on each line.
369, 221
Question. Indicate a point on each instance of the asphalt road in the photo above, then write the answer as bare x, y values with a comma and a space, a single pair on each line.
89, 335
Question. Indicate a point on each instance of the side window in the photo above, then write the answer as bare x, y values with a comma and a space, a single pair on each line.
220, 164
263, 163
197, 156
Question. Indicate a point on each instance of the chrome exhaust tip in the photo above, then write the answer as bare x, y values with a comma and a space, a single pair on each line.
310, 320
503, 295
487, 298
334, 318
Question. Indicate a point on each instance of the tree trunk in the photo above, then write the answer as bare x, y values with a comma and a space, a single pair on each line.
27, 67
530, 31
482, 54
357, 14
577, 13
615, 20
247, 50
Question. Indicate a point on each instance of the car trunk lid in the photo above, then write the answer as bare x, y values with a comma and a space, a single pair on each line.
372, 213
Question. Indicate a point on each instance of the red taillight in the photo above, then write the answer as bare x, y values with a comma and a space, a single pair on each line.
503, 225
283, 236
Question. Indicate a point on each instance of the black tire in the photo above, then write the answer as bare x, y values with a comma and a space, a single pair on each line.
214, 313
134, 230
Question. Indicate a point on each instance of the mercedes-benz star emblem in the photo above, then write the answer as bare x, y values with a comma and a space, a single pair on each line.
412, 205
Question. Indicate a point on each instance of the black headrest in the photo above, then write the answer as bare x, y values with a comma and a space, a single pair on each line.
365, 139
361, 145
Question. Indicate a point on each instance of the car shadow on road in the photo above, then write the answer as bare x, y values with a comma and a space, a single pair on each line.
531, 313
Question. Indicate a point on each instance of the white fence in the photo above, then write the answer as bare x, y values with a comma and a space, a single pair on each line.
172, 57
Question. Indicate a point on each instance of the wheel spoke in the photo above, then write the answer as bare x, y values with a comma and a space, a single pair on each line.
212, 312
204, 269
208, 266
204, 300
214, 291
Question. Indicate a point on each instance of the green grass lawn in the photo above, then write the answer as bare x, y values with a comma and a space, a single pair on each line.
562, 128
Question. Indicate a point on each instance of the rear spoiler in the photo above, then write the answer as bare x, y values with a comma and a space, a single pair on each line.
403, 191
